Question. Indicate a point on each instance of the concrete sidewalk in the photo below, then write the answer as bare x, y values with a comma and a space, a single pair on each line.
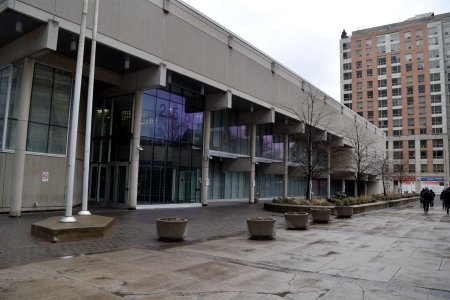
398, 253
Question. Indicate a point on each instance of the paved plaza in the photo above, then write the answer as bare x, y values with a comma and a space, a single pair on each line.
395, 253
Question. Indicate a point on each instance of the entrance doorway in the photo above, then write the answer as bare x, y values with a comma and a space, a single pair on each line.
118, 183
109, 183
110, 150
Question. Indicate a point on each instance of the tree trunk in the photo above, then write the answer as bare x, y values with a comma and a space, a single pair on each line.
308, 188
358, 188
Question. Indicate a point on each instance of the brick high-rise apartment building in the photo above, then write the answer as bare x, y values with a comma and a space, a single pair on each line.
397, 76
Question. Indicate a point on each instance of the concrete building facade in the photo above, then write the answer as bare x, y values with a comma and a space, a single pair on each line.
184, 112
397, 77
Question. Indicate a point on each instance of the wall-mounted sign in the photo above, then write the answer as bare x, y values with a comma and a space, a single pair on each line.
44, 176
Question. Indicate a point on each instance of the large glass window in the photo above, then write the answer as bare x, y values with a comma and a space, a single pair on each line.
49, 110
10, 81
172, 143
268, 145
4, 91
227, 135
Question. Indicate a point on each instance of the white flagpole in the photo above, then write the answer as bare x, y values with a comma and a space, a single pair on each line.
87, 140
68, 218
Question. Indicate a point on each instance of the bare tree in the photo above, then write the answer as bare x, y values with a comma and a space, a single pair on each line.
400, 173
364, 159
383, 169
312, 147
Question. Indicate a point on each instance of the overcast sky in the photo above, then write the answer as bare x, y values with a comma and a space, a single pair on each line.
304, 35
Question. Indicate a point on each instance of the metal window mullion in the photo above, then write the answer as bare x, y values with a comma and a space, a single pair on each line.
111, 126
69, 113
51, 104
8, 95
133, 107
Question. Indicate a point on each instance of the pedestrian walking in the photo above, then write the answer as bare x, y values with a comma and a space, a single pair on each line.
422, 196
427, 198
443, 195
446, 199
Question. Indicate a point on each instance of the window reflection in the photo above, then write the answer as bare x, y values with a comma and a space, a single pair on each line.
49, 110
227, 134
171, 138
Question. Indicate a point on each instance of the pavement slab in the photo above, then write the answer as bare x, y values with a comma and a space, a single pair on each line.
395, 253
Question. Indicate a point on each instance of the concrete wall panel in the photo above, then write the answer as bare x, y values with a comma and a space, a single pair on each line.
285, 93
49, 193
183, 44
71, 10
215, 59
47, 5
78, 184
130, 22
8, 180
2, 177
250, 77
152, 30
108, 16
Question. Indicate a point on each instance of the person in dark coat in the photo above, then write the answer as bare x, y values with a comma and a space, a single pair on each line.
447, 199
427, 198
443, 195
432, 198
422, 196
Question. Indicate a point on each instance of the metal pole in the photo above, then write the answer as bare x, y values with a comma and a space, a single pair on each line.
286, 166
253, 164
329, 174
87, 139
68, 218
251, 199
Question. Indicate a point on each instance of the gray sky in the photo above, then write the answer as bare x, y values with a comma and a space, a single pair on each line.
304, 35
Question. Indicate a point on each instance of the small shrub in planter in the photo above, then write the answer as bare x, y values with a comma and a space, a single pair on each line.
320, 215
296, 220
343, 209
171, 229
321, 202
261, 228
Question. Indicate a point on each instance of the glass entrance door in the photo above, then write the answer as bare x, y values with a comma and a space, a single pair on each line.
117, 183
97, 184
110, 150
109, 183
189, 185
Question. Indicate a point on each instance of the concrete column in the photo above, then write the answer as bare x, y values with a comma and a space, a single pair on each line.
205, 161
285, 165
329, 174
135, 148
446, 163
343, 185
355, 189
21, 137
252, 165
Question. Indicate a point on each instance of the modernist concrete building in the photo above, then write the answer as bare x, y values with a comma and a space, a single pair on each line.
184, 111
397, 77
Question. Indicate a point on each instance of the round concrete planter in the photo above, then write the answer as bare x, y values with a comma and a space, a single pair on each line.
171, 229
296, 220
320, 215
261, 228
344, 211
